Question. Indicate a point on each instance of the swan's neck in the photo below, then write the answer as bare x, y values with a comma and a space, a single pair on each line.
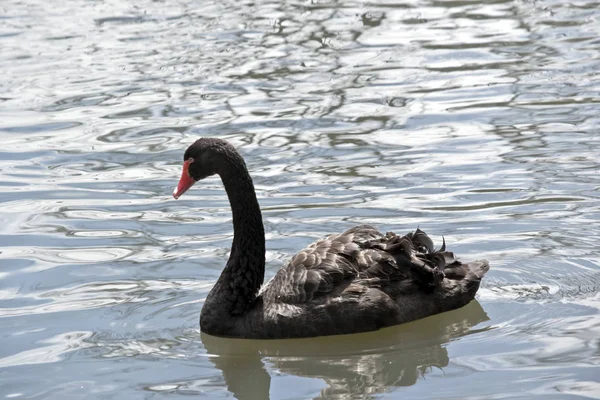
237, 288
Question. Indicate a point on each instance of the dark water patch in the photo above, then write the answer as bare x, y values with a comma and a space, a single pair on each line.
49, 127
84, 100
122, 20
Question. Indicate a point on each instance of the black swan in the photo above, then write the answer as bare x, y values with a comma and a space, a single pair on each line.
357, 281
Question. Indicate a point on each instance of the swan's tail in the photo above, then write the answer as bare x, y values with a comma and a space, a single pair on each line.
462, 282
477, 269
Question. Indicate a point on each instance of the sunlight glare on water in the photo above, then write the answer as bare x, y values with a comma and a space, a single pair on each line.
475, 121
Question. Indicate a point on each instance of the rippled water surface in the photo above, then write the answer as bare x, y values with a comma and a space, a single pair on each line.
478, 121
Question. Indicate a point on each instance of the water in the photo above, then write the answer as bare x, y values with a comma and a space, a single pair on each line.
476, 121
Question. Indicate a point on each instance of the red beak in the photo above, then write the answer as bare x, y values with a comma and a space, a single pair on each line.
186, 181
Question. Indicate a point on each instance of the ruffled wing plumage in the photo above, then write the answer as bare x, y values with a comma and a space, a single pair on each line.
362, 256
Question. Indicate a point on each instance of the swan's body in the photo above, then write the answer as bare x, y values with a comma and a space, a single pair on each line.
357, 281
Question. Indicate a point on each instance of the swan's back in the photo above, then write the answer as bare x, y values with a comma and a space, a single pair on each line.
363, 280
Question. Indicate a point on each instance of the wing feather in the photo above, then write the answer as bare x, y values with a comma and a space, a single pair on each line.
361, 256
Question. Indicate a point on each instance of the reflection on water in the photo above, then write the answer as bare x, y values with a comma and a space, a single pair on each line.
476, 121
351, 365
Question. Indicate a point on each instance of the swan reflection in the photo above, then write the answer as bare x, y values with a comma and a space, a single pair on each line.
359, 364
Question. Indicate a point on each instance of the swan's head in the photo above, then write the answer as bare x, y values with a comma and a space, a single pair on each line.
205, 157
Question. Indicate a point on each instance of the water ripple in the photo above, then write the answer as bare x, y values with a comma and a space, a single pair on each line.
473, 121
